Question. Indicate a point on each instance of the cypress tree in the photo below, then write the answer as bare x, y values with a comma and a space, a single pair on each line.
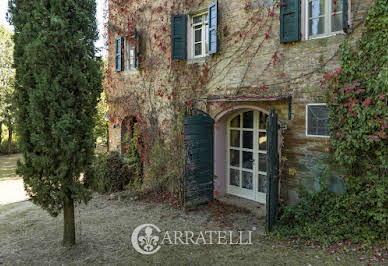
58, 83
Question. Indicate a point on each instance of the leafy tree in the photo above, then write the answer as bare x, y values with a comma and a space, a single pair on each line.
7, 76
101, 128
58, 83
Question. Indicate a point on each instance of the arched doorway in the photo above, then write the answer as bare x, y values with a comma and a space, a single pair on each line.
247, 155
241, 152
128, 128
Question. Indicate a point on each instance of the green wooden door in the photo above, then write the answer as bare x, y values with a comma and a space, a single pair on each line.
273, 169
199, 173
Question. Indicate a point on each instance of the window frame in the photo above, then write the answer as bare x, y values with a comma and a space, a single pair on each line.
307, 121
128, 66
131, 63
328, 21
204, 36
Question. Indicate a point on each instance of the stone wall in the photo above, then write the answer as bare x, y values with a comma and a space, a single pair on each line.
250, 61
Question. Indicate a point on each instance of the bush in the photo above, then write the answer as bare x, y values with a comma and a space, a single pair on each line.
109, 173
4, 147
166, 167
359, 215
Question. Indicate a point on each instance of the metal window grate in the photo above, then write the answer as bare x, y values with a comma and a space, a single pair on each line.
317, 120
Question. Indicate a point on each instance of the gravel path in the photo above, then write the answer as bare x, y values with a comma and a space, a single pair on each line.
11, 185
12, 191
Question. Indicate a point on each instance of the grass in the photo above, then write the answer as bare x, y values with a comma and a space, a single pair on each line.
104, 228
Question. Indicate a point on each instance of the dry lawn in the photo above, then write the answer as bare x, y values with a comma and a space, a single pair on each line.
30, 236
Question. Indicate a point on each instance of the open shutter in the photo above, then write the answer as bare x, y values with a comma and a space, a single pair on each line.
119, 54
199, 170
212, 29
345, 23
289, 21
273, 170
122, 53
178, 36
136, 37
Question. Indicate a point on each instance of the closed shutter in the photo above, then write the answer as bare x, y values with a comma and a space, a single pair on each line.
119, 54
345, 23
178, 36
212, 29
289, 21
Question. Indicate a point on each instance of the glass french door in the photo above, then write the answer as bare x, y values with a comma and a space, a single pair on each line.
247, 155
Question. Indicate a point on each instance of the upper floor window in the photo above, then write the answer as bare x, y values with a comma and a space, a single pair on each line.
310, 19
324, 17
194, 36
126, 54
130, 56
199, 28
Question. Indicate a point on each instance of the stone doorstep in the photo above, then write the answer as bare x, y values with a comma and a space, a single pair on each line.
254, 207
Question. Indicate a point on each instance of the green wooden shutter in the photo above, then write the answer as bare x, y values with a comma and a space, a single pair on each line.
122, 53
289, 21
136, 37
199, 170
272, 194
178, 36
119, 54
212, 29
345, 25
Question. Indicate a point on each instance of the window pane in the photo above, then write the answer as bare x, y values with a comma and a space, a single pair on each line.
235, 138
131, 58
262, 141
262, 183
248, 119
197, 19
316, 26
248, 139
198, 35
235, 122
262, 162
234, 177
247, 180
247, 160
263, 121
235, 158
198, 49
206, 39
336, 22
336, 5
316, 8
318, 117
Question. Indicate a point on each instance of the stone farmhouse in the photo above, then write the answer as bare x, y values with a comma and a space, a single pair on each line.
234, 60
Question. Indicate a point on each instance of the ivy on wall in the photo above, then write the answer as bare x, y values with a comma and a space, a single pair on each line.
357, 101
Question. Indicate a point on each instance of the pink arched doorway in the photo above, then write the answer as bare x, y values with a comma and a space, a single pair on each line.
240, 152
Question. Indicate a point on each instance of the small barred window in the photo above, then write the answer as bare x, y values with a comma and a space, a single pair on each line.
317, 118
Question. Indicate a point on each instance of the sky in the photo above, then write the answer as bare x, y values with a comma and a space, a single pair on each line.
100, 21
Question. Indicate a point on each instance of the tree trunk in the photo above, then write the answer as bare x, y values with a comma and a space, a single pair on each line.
1, 131
10, 133
69, 222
